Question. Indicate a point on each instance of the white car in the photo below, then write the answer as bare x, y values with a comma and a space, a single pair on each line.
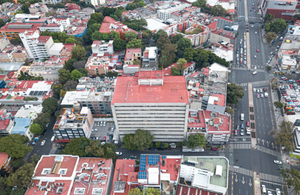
263, 189
278, 162
278, 191
255, 32
43, 142
255, 72
119, 153
270, 193
254, 90
254, 56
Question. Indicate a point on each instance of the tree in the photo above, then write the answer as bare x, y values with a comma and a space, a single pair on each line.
75, 75
2, 23
77, 146
229, 110
176, 38
25, 8
218, 10
286, 137
197, 30
119, 44
137, 62
49, 105
94, 27
16, 41
165, 145
170, 53
152, 191
17, 163
130, 35
270, 36
22, 176
71, 40
83, 71
135, 191
79, 64
14, 145
175, 71
113, 35
127, 140
163, 41
134, 43
184, 43
189, 54
78, 52
142, 139
70, 85
291, 178
278, 104
269, 18
157, 144
234, 93
200, 3
36, 129
131, 6
196, 140
97, 36
69, 64
163, 61
64, 75
181, 62
93, 149
157, 35
97, 17
42, 119
278, 25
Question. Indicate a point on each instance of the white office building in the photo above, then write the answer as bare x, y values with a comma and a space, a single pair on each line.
151, 102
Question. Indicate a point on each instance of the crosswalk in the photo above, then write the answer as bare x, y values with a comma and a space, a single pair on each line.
267, 150
247, 145
263, 176
240, 146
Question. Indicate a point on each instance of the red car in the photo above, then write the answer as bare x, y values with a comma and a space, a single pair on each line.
257, 50
291, 86
284, 79
104, 137
287, 100
214, 148
295, 100
247, 123
298, 81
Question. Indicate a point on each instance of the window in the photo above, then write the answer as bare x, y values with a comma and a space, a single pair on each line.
97, 191
63, 171
46, 171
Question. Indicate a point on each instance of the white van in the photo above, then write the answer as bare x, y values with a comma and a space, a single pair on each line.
53, 137
263, 189
242, 116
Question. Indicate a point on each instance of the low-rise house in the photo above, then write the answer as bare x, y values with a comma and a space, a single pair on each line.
132, 54
97, 65
102, 47
38, 7
150, 59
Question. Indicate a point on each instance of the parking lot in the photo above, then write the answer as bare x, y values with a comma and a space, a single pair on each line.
103, 129
290, 98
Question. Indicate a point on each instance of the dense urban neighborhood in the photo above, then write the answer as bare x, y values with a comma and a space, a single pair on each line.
138, 97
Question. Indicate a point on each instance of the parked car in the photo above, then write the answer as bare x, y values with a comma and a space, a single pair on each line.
235, 132
257, 96
132, 156
278, 162
278, 191
247, 123
214, 149
291, 81
43, 142
119, 153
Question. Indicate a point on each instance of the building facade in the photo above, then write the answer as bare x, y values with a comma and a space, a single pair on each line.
151, 102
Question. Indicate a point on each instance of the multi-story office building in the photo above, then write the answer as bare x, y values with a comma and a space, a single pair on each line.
152, 102
73, 123
284, 9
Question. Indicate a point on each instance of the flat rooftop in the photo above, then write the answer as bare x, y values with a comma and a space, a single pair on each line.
210, 163
173, 90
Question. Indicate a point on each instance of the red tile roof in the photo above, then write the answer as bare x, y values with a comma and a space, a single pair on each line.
185, 190
130, 51
212, 25
173, 90
222, 99
168, 71
3, 157
110, 24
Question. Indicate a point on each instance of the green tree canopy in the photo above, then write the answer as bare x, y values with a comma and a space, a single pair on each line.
130, 35
36, 129
170, 53
291, 177
16, 41
22, 176
189, 54
278, 104
78, 52
64, 75
49, 105
175, 71
2, 23
269, 18
134, 43
176, 38
14, 145
97, 36
70, 85
75, 75
158, 34
270, 36
135, 191
119, 44
278, 25
139, 141
286, 137
42, 119
181, 62
162, 41
97, 17
71, 40
152, 191
77, 146
218, 10
234, 93
184, 43
131, 6
196, 140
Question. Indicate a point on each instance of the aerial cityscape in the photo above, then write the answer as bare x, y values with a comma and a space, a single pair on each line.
146, 97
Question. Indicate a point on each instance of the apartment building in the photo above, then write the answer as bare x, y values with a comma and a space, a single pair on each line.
12, 30
71, 175
164, 11
152, 102
132, 54
13, 53
97, 65
102, 47
53, 27
150, 59
6, 122
73, 123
